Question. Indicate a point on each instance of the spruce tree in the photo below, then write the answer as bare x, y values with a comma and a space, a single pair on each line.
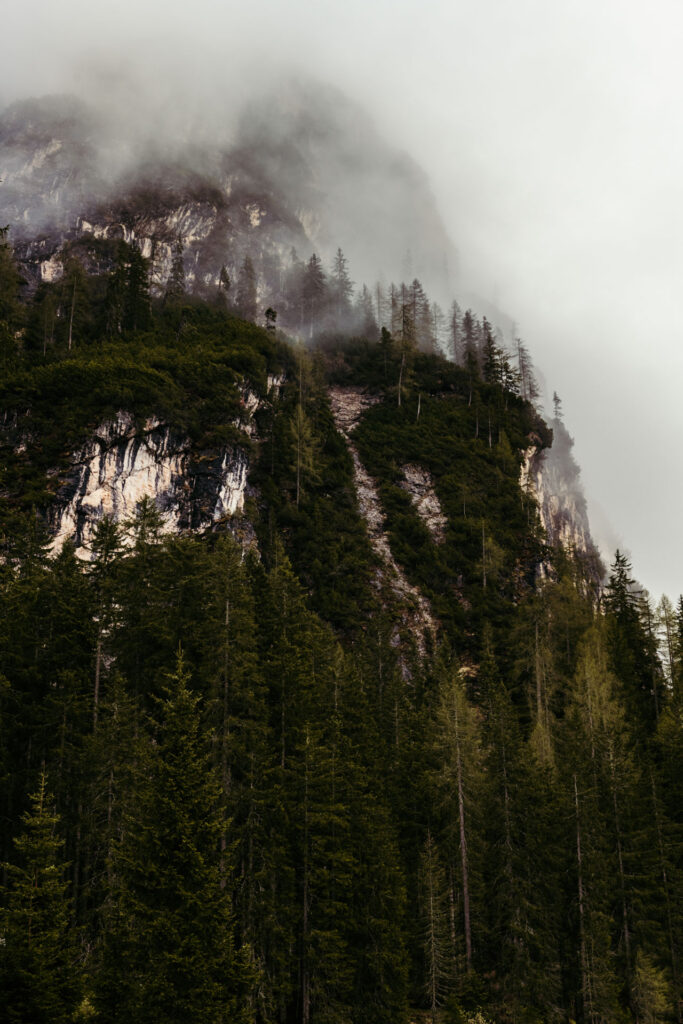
137, 311
39, 977
631, 644
341, 289
246, 290
11, 310
175, 286
169, 950
314, 293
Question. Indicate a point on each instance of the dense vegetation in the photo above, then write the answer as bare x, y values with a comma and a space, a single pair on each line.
229, 791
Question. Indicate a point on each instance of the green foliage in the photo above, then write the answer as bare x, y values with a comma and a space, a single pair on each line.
324, 826
191, 383
39, 977
169, 951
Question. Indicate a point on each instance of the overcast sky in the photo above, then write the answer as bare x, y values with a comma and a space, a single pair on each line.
552, 134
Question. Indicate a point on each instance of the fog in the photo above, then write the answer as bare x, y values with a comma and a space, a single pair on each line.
551, 134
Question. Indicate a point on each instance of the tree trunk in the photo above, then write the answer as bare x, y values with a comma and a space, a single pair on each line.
96, 690
585, 978
71, 317
225, 734
463, 846
667, 899
305, 976
620, 861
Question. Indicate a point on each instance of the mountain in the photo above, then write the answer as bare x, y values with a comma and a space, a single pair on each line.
305, 169
316, 703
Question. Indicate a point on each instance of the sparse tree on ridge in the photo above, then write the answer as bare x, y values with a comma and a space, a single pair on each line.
175, 286
341, 288
246, 290
314, 292
11, 310
528, 386
455, 333
365, 313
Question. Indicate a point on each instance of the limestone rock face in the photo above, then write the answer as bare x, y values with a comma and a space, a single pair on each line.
121, 465
417, 481
304, 169
553, 477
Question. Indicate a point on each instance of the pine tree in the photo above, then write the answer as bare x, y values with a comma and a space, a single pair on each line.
439, 963
116, 293
137, 311
365, 314
169, 948
175, 286
341, 289
523, 881
457, 746
39, 977
631, 644
455, 350
314, 293
492, 368
11, 310
528, 386
224, 285
105, 548
245, 299
74, 287
421, 317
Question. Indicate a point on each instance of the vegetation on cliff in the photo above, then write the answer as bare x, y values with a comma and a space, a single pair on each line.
233, 790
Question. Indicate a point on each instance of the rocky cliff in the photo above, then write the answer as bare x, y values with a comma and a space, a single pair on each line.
123, 465
553, 477
305, 169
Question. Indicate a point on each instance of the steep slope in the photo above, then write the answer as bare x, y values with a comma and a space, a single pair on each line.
412, 740
409, 505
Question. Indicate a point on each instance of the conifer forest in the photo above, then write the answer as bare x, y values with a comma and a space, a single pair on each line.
329, 721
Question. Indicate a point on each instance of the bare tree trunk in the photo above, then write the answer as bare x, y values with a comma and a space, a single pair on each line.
538, 672
451, 913
305, 978
71, 317
620, 861
96, 690
463, 845
298, 464
433, 955
585, 979
225, 734
667, 900
299, 425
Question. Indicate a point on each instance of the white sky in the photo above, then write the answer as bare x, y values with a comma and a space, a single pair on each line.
552, 134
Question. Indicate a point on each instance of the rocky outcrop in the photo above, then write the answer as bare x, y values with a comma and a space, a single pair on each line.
301, 171
419, 484
348, 405
552, 477
123, 464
